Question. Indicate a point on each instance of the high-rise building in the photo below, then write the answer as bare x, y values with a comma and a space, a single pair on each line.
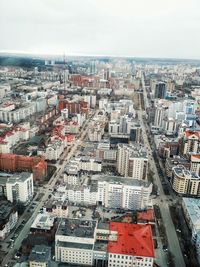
185, 182
132, 161
160, 90
189, 143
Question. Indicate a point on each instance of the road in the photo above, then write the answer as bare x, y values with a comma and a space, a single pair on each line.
48, 189
173, 241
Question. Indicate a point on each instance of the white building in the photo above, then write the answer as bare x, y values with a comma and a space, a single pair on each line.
125, 193
18, 187
195, 163
17, 114
64, 113
11, 137
58, 209
74, 241
53, 151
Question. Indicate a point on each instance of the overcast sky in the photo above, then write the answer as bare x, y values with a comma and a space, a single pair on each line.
141, 28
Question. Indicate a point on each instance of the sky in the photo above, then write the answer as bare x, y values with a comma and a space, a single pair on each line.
137, 28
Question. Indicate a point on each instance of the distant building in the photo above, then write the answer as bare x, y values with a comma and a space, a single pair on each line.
160, 90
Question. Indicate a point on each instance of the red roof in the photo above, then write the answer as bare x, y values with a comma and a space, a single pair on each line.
132, 239
196, 156
188, 133
146, 215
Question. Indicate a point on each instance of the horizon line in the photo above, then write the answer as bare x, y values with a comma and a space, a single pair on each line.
17, 52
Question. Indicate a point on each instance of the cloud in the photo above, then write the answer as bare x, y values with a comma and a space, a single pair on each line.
156, 28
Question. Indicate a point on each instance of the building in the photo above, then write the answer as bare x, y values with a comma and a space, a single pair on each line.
185, 182
160, 90
44, 226
191, 209
11, 136
74, 241
175, 161
130, 245
84, 242
16, 114
58, 209
124, 193
89, 164
17, 187
91, 100
132, 161
195, 163
73, 106
105, 152
8, 218
13, 163
170, 126
189, 143
53, 151
71, 174
40, 256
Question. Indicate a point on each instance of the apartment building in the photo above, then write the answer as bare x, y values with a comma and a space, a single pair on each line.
185, 182
8, 218
191, 209
125, 193
11, 136
195, 163
53, 151
132, 161
105, 152
17, 187
190, 142
16, 114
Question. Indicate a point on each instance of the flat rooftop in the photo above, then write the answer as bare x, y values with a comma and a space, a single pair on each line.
121, 180
77, 228
193, 210
40, 253
75, 245
100, 245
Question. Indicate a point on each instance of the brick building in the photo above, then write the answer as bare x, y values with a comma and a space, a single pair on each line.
14, 163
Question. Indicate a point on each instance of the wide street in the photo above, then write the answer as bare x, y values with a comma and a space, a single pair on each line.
173, 241
68, 153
